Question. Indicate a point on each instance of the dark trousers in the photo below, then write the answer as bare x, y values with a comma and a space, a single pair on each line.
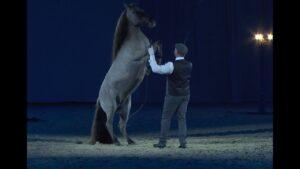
178, 105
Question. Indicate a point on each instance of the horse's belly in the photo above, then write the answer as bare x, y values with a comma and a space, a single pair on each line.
131, 80
121, 81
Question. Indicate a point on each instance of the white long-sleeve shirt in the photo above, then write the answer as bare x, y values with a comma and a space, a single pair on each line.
167, 68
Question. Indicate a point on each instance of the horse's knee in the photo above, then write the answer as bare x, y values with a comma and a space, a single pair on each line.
181, 116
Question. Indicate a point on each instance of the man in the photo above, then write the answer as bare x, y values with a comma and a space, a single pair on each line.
177, 92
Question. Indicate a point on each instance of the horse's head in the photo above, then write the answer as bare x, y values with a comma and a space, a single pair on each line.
138, 17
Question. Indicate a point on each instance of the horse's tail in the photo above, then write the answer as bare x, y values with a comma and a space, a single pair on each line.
99, 129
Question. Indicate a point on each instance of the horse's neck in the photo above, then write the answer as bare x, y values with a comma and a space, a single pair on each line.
133, 31
135, 44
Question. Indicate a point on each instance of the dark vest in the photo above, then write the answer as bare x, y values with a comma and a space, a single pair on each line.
178, 83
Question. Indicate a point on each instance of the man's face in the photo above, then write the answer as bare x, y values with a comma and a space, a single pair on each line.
176, 52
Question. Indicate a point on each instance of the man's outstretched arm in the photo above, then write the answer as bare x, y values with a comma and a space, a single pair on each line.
160, 69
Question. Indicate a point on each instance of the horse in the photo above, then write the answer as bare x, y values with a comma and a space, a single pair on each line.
127, 71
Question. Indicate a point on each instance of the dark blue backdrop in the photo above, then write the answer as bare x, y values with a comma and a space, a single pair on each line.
69, 47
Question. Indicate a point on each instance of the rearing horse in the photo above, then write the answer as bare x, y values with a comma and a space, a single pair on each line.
128, 68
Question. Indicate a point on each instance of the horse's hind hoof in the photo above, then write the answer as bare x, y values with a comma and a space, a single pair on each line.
117, 142
130, 142
79, 142
91, 142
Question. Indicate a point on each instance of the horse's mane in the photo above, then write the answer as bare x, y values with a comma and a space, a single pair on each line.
120, 34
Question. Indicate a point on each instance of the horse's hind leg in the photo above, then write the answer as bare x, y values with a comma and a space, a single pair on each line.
124, 113
109, 126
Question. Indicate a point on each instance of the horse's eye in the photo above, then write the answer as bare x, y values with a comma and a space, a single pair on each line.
139, 13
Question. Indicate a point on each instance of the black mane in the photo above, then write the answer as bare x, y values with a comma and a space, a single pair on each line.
120, 34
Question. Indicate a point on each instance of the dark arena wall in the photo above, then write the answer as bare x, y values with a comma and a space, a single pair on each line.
70, 41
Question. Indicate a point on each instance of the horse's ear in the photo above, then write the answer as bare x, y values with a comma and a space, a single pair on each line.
126, 6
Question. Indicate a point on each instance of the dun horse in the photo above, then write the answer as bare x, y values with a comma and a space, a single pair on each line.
128, 68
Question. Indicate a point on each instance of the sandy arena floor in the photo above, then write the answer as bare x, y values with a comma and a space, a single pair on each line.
218, 139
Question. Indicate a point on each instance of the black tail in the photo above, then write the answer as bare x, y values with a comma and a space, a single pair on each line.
99, 130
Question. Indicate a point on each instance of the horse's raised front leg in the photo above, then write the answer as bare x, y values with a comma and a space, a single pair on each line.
124, 114
158, 49
157, 46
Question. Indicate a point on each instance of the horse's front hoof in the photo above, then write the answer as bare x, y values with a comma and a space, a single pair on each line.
131, 142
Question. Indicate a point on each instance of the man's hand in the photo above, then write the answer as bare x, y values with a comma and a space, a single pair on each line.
151, 51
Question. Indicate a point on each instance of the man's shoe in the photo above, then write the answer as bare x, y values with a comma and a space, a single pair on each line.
159, 145
182, 146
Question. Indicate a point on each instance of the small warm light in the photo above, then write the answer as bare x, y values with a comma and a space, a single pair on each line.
259, 37
270, 36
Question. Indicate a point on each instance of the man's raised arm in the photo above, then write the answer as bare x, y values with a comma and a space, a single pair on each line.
160, 69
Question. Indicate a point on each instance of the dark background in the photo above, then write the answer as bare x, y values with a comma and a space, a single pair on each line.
69, 48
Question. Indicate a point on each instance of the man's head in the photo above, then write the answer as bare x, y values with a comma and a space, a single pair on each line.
180, 50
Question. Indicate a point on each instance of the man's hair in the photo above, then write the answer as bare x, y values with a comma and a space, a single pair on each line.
181, 49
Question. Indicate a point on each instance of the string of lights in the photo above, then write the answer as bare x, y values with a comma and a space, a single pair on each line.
259, 37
